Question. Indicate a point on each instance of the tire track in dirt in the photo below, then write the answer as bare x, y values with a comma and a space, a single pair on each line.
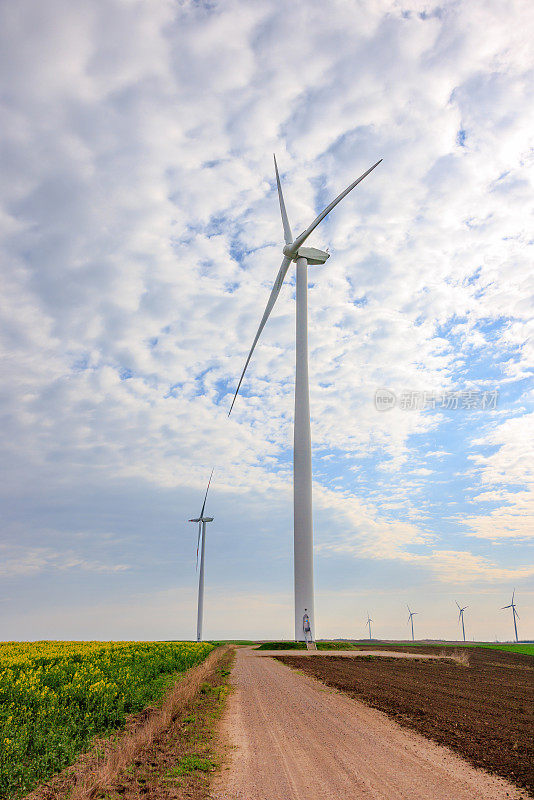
295, 739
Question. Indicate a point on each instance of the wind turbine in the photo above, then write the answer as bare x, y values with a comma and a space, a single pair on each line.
201, 543
461, 617
410, 619
369, 620
302, 464
514, 613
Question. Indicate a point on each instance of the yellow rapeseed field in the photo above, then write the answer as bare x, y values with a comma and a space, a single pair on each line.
56, 696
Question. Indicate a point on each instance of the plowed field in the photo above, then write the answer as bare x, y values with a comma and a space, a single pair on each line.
484, 711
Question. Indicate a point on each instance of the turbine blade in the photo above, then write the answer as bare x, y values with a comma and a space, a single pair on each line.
198, 541
502, 609
303, 236
513, 595
457, 603
516, 613
460, 615
275, 291
288, 236
206, 495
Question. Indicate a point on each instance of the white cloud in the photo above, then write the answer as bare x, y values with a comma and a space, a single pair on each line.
509, 466
22, 561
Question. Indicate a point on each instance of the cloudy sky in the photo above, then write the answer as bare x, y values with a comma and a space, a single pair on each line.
140, 237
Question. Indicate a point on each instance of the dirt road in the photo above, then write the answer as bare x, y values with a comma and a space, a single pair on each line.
295, 739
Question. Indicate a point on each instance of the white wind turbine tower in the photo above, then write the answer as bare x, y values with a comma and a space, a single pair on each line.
302, 465
514, 614
369, 620
461, 617
410, 619
201, 542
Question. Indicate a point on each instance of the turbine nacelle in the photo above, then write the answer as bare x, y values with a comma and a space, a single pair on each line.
312, 255
202, 519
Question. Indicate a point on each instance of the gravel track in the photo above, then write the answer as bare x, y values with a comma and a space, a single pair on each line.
350, 654
295, 739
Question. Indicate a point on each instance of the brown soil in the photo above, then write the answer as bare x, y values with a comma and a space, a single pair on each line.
484, 711
146, 760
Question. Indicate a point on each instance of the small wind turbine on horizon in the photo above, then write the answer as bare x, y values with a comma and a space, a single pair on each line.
461, 617
514, 614
410, 619
369, 620
302, 463
201, 543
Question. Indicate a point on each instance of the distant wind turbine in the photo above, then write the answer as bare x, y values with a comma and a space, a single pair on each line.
369, 620
410, 619
302, 465
514, 614
201, 543
461, 617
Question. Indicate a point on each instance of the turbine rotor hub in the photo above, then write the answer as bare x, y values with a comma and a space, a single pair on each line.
289, 251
